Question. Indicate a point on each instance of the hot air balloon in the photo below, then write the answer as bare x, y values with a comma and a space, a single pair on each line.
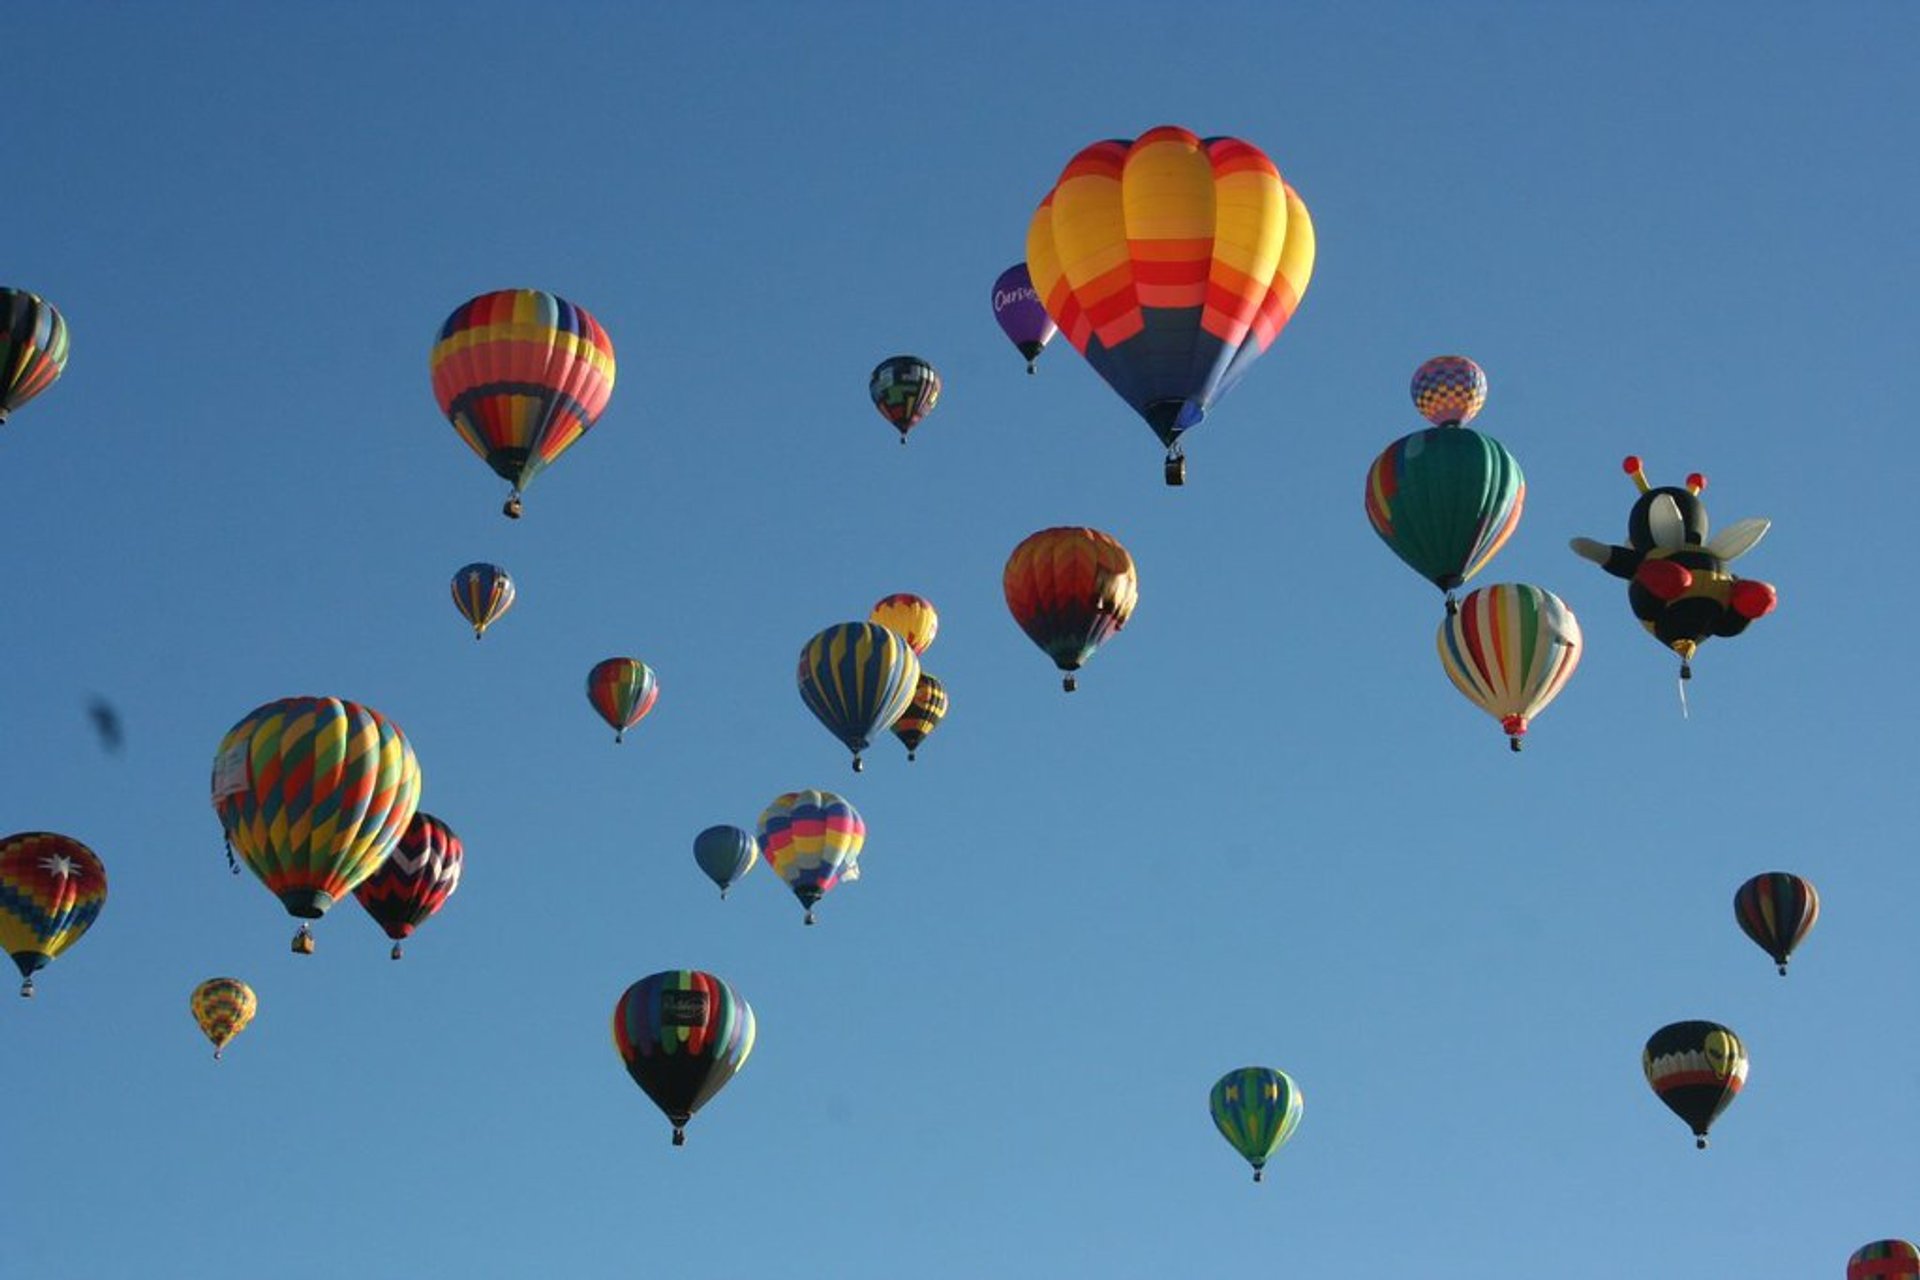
923, 715
416, 879
725, 854
51, 890
1885, 1260
1256, 1110
622, 690
1446, 499
223, 1007
682, 1035
1021, 316
905, 389
1696, 1068
33, 347
1510, 648
521, 375
910, 615
1171, 262
482, 592
1069, 589
857, 678
313, 793
1777, 910
810, 839
1679, 586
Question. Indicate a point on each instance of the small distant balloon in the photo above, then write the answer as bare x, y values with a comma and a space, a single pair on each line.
1885, 1260
622, 690
923, 715
51, 890
811, 839
725, 853
1256, 1110
223, 1007
33, 347
1777, 909
1017, 308
857, 678
682, 1034
1449, 390
1510, 649
1697, 1069
905, 389
416, 880
1070, 589
913, 617
482, 592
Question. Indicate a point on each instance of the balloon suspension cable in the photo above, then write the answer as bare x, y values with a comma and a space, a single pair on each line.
511, 508
395, 953
26, 988
679, 1136
303, 942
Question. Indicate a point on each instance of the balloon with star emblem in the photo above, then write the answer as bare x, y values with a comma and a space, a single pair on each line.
51, 890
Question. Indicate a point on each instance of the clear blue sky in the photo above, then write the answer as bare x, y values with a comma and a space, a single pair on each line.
1265, 830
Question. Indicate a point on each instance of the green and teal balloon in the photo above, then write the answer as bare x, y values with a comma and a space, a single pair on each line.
1256, 1110
858, 678
1446, 499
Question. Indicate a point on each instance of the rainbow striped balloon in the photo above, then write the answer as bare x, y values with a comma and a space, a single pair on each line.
1256, 1110
33, 347
1777, 909
1510, 649
622, 690
811, 839
223, 1007
857, 678
51, 890
682, 1034
313, 793
521, 375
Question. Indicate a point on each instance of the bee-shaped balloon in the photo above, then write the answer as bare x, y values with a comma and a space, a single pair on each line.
1679, 586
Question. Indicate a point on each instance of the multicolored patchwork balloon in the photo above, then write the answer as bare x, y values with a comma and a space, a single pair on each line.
313, 793
923, 715
1449, 390
33, 347
857, 678
810, 839
521, 375
223, 1007
482, 592
1777, 910
1885, 1260
1070, 589
682, 1035
1445, 500
622, 690
1256, 1110
904, 389
416, 880
1510, 649
1018, 310
51, 890
910, 615
1171, 262
725, 853
1697, 1069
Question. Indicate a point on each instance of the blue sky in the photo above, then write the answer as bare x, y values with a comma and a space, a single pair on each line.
1265, 830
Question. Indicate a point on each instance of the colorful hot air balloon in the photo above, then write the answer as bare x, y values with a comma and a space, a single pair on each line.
905, 389
1020, 313
682, 1035
1678, 582
910, 615
33, 347
1885, 1260
51, 890
1069, 589
811, 839
725, 854
923, 715
482, 592
223, 1007
1510, 649
313, 793
1696, 1068
1777, 910
416, 879
622, 690
521, 375
857, 678
1171, 262
1256, 1109
1446, 499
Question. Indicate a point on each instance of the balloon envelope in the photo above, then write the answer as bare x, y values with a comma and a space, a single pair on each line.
810, 839
521, 374
923, 715
482, 592
1445, 500
682, 1034
33, 347
1021, 315
725, 854
1449, 390
622, 690
1885, 1260
910, 615
1777, 910
1070, 589
223, 1007
51, 890
905, 389
1256, 1110
1171, 262
1510, 649
857, 678
416, 880
1697, 1069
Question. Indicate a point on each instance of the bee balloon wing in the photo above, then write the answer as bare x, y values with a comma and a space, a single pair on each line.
1665, 523
1738, 538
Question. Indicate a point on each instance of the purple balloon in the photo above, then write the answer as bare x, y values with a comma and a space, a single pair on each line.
1017, 307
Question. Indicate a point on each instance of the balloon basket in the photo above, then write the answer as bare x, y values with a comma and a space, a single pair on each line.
1513, 745
1259, 1175
216, 1055
26, 989
808, 920
1783, 968
303, 942
1700, 1143
679, 1136
911, 757
859, 765
395, 953
1176, 471
1069, 684
511, 508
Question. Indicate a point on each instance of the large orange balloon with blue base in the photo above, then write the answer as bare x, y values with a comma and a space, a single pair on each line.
1171, 262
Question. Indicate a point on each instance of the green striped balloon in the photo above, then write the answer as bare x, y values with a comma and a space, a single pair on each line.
1256, 1109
